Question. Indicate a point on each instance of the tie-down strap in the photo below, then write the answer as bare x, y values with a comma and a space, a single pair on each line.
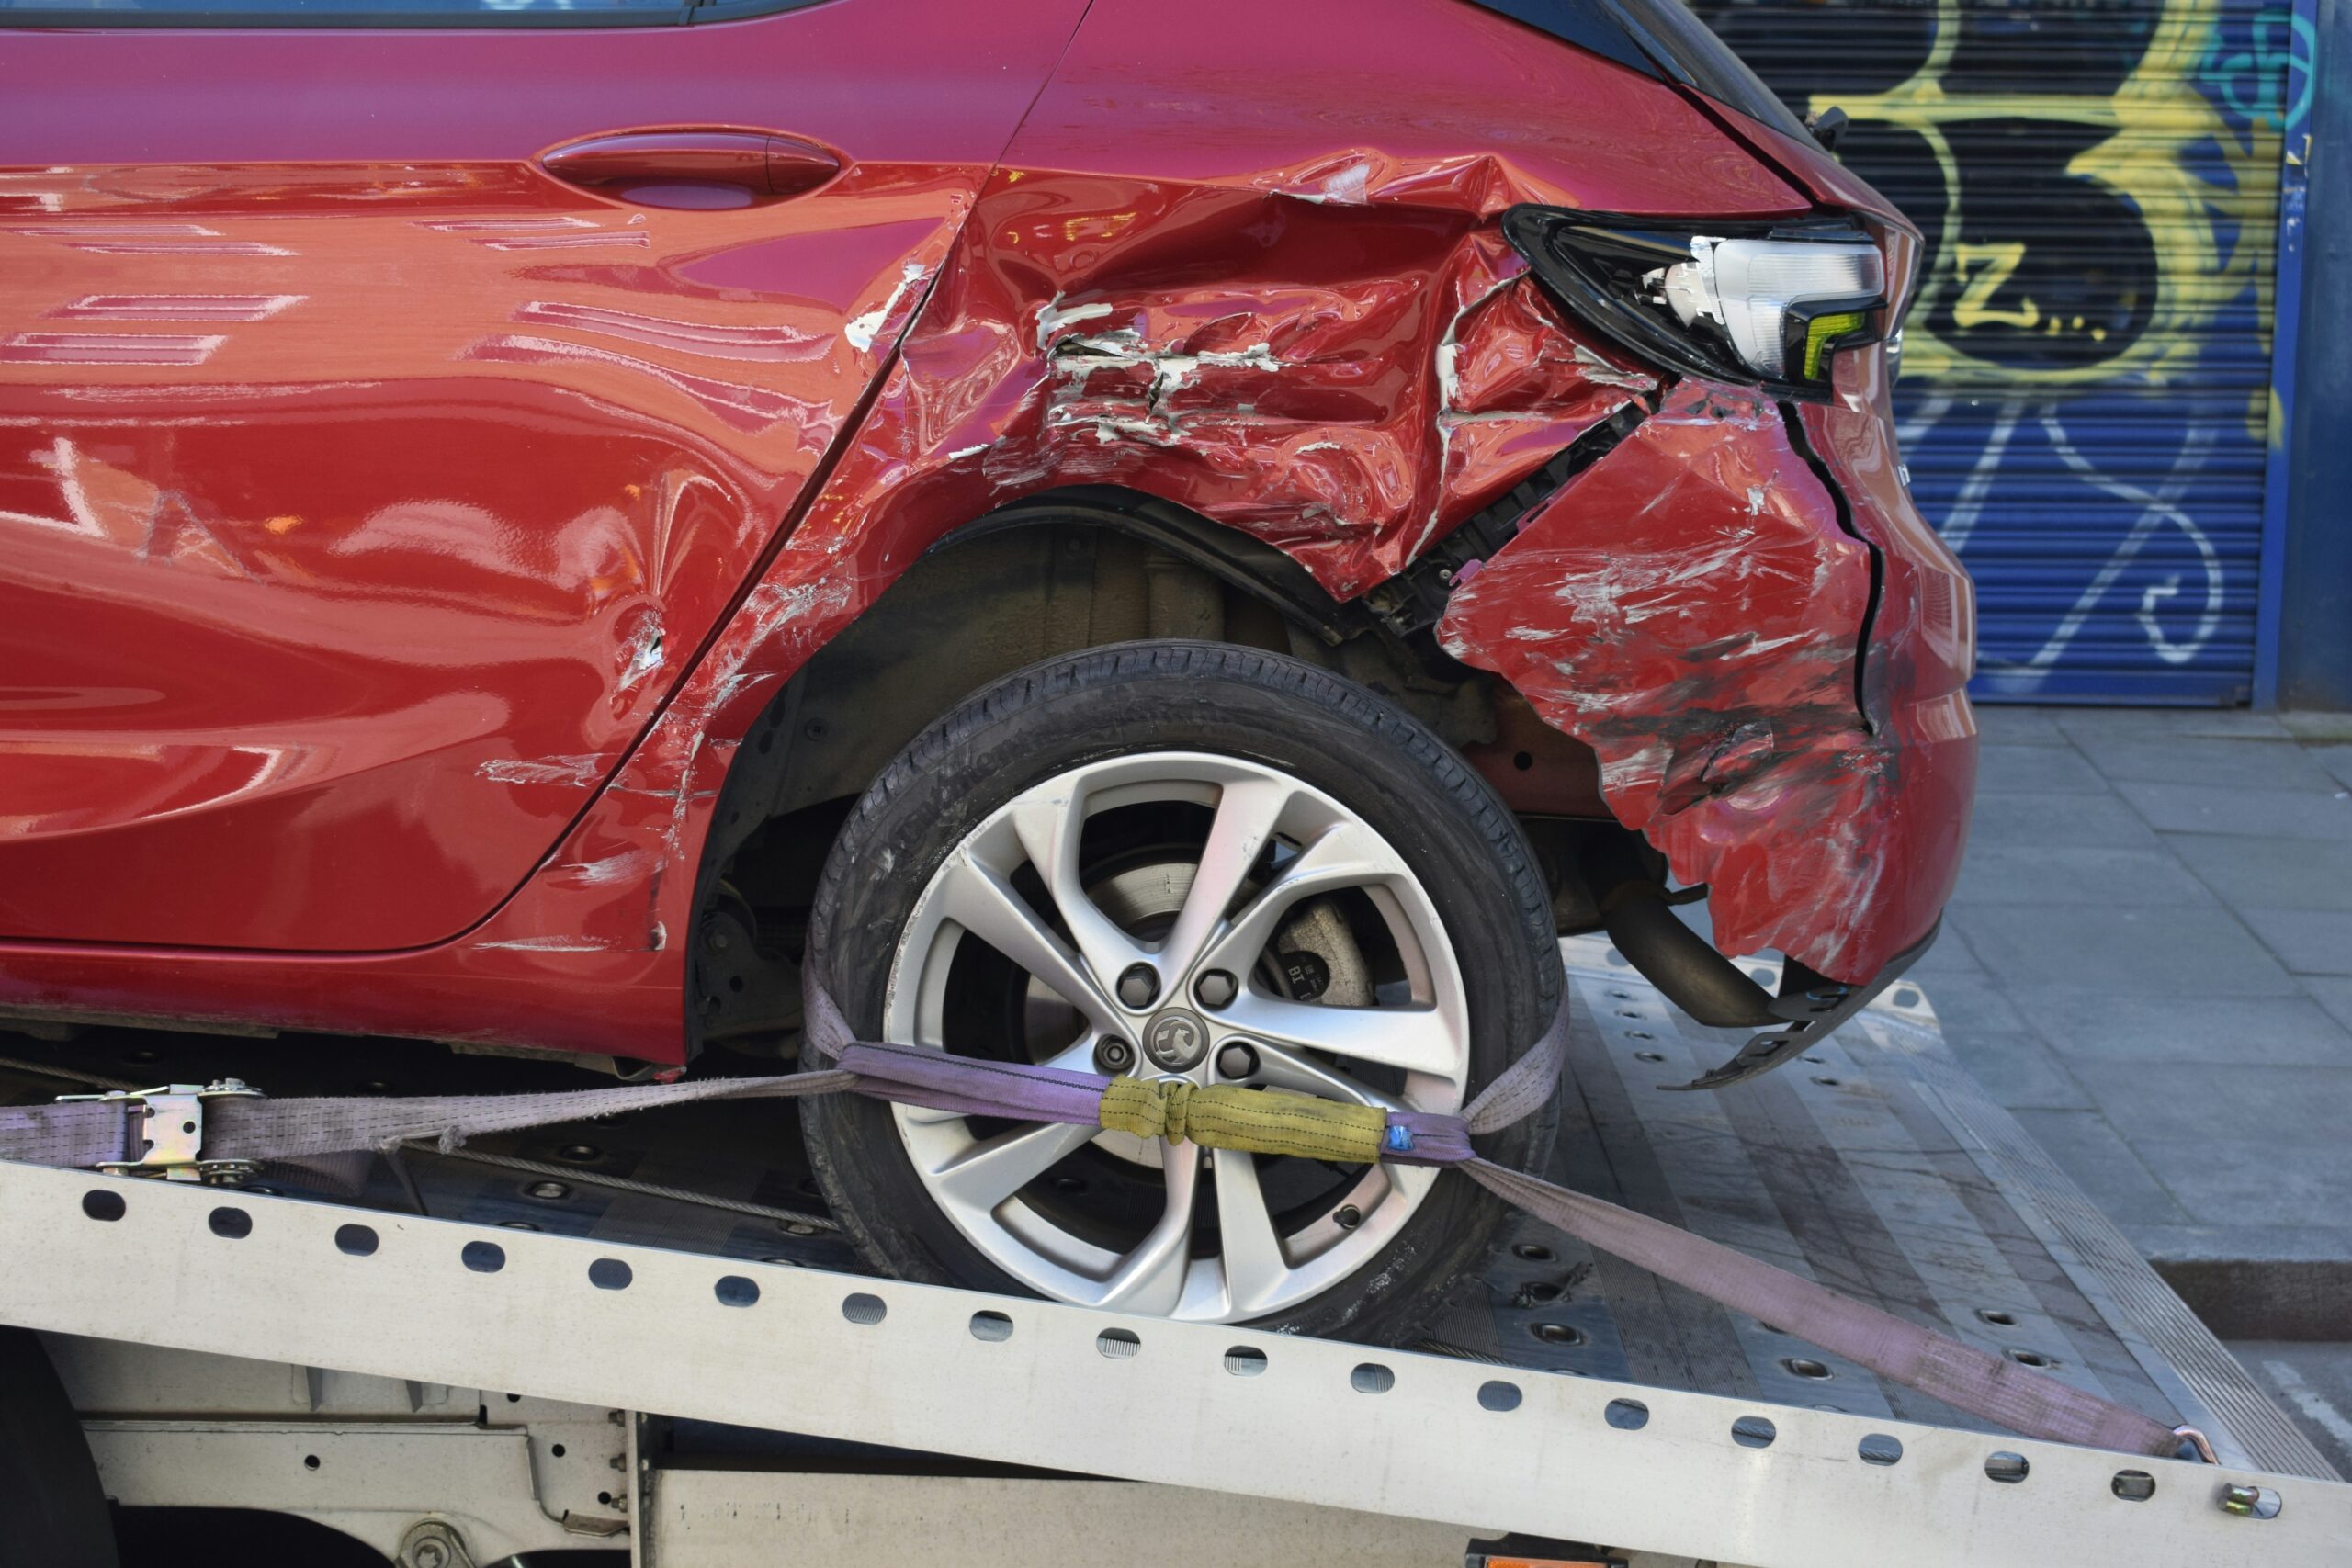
250, 1130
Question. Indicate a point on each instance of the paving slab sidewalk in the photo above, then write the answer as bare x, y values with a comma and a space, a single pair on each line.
2149, 961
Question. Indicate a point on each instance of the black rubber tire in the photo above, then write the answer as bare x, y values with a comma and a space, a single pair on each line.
1461, 841
57, 1516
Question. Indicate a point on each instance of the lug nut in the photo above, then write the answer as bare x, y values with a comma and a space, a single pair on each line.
1113, 1055
1215, 988
1139, 987
1237, 1061
1349, 1216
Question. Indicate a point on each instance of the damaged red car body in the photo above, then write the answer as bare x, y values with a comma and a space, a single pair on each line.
413, 523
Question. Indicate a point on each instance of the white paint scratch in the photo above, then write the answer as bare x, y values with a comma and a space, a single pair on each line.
551, 770
861, 331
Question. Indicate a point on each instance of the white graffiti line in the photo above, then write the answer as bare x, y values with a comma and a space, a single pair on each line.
1924, 418
2164, 506
1969, 505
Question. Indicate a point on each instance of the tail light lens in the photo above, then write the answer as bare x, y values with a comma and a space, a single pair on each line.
1764, 305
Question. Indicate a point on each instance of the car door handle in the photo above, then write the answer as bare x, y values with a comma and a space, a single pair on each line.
765, 163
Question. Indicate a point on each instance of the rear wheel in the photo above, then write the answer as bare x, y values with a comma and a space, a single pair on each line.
1196, 862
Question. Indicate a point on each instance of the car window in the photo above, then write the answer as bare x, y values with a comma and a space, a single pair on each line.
366, 13
1686, 45
1662, 38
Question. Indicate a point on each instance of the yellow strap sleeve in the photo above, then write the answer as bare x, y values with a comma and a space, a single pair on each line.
1227, 1116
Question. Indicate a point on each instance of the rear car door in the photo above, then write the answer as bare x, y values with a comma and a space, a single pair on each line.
392, 403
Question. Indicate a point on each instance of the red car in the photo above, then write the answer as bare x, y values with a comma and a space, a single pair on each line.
1183, 543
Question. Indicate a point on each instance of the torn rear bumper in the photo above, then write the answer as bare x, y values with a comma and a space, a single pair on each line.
1739, 611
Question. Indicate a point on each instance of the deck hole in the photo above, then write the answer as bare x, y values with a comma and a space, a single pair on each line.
483, 1257
1816, 1061
1627, 1414
734, 1291
557, 1450
1621, 996
516, 1225
579, 1154
1523, 760
1805, 1367
234, 1225
1639, 1034
603, 1499
1243, 1362
358, 1241
610, 1274
1880, 1449
1556, 1333
100, 1204
2134, 1485
1906, 997
1649, 1056
1629, 1012
547, 1191
310, 1461
861, 1307
1532, 1252
992, 1327
2005, 1467
1370, 1377
1754, 1432
1499, 1396
1118, 1344
1995, 1316
2032, 1359
1830, 1083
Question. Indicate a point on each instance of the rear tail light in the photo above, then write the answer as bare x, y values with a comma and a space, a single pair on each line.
1764, 305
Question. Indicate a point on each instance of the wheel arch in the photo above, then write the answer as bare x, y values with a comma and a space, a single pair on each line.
1064, 569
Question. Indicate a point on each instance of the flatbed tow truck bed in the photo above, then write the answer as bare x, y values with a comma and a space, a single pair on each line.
546, 1362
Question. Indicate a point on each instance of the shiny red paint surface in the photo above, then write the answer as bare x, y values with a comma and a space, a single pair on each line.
1263, 282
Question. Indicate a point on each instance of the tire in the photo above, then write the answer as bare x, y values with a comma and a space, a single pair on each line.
1469, 861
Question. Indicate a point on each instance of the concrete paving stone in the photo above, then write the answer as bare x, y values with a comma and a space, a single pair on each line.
2241, 1181
2000, 724
2201, 760
2160, 1104
2137, 950
2245, 813
2008, 769
2045, 818
1951, 962
2104, 1166
2309, 941
2016, 1070
2091, 1032
1968, 1005
2318, 727
2068, 874
2275, 874
2225, 723
2336, 996
2312, 1381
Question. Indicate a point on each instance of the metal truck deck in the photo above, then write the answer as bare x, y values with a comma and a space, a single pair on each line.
1563, 1393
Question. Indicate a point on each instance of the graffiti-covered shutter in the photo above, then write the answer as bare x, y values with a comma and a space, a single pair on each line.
2086, 386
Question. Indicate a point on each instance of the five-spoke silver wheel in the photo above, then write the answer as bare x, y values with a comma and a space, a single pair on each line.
1254, 931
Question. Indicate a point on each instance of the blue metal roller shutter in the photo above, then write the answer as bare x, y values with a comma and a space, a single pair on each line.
2086, 391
